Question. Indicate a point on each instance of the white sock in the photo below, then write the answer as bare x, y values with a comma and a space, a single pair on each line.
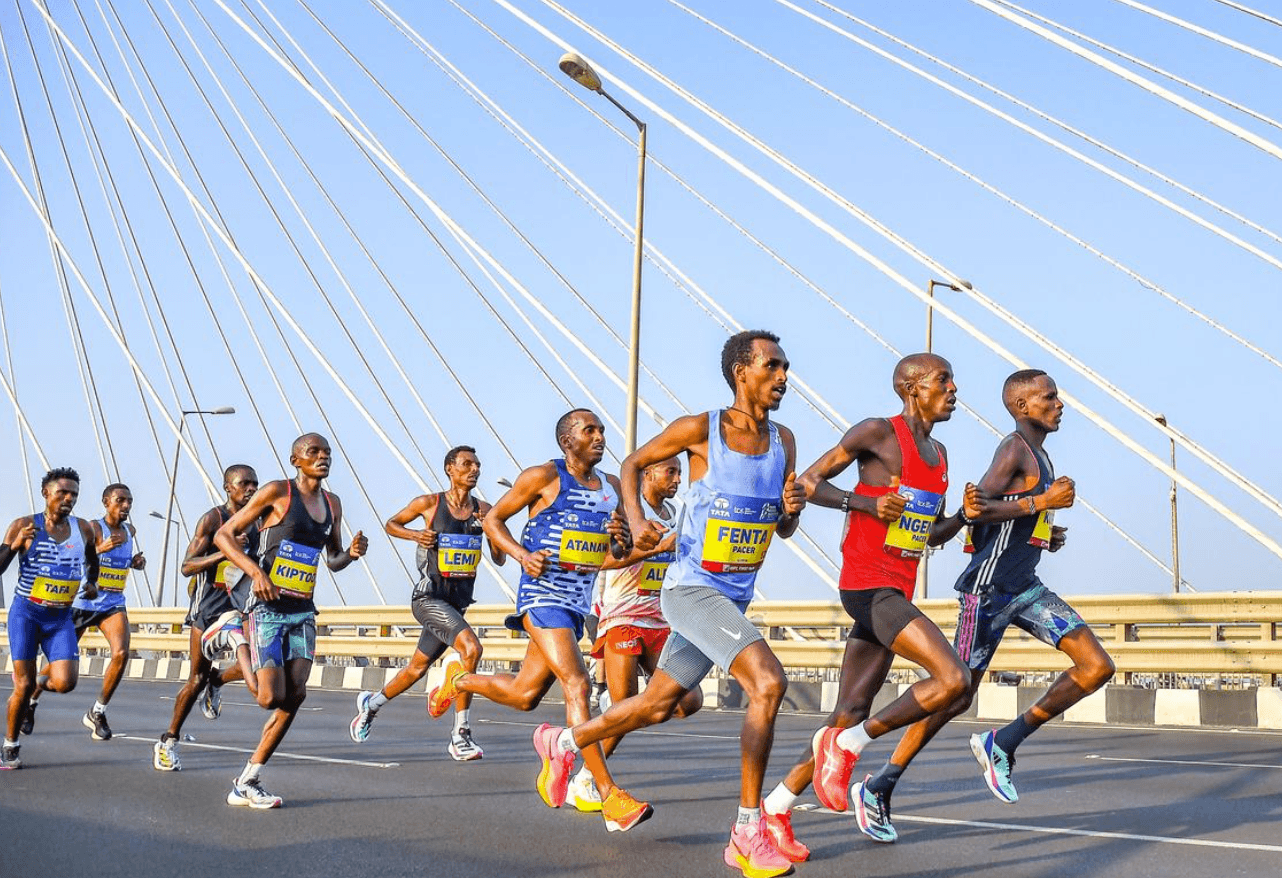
250, 773
779, 801
460, 719
99, 707
748, 816
585, 776
9, 743
377, 700
854, 739
565, 743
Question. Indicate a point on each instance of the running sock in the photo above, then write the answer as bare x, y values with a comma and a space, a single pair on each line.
168, 736
377, 700
250, 774
1010, 736
99, 707
779, 801
565, 742
854, 739
748, 817
460, 719
883, 782
9, 743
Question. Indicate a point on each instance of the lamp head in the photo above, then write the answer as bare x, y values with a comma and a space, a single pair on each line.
224, 410
578, 69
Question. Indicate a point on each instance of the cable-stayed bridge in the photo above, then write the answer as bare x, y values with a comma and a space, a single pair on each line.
399, 225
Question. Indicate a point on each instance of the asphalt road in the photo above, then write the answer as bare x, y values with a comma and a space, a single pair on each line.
1098, 801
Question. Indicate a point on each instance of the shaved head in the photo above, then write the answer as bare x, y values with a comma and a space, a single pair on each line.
913, 368
302, 442
1017, 385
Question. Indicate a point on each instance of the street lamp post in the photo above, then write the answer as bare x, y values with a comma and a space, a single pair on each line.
173, 484
578, 69
923, 580
1175, 518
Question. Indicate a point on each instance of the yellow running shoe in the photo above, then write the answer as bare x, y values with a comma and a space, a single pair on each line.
622, 812
443, 695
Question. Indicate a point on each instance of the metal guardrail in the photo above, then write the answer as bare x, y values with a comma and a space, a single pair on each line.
1204, 633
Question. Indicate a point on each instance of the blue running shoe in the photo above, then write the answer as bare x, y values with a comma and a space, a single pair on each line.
996, 765
872, 813
364, 720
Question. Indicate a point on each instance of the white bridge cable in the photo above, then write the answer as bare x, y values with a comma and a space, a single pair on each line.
24, 426
478, 254
670, 270
1249, 11
1057, 122
1152, 68
1148, 85
1204, 32
1050, 141
208, 219
911, 288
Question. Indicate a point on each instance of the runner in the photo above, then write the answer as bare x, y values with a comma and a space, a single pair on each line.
743, 490
298, 521
632, 628
574, 522
1000, 588
448, 553
56, 553
211, 599
895, 511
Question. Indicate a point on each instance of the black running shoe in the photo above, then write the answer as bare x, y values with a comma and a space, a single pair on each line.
96, 723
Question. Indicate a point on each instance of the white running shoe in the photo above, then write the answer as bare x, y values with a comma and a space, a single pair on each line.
252, 795
364, 720
463, 748
164, 755
583, 794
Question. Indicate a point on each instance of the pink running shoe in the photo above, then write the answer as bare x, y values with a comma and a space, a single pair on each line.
752, 851
780, 828
554, 775
833, 766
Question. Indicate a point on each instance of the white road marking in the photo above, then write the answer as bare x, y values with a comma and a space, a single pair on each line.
648, 731
228, 701
276, 755
1181, 762
1056, 830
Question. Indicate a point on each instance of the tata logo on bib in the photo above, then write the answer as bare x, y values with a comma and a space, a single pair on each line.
721, 503
571, 518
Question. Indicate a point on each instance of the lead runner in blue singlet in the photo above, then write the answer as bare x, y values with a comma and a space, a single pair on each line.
743, 491
55, 554
574, 522
298, 521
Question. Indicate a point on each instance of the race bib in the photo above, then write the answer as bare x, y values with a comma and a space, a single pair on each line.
653, 570
54, 592
907, 537
969, 547
584, 542
294, 570
738, 533
1041, 537
220, 574
458, 555
110, 577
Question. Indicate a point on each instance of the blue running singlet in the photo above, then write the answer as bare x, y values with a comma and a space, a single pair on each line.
113, 570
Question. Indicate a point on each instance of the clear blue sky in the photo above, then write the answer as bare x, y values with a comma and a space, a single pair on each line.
1221, 395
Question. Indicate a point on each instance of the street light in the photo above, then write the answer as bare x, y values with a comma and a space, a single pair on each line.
930, 307
173, 484
1175, 517
578, 69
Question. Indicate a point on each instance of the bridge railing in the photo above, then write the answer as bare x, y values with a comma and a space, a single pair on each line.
1228, 633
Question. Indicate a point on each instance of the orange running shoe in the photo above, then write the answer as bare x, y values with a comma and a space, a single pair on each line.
780, 828
553, 782
622, 812
440, 698
752, 851
833, 767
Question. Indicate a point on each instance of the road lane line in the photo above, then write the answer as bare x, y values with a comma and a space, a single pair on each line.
228, 701
1056, 830
1179, 762
277, 755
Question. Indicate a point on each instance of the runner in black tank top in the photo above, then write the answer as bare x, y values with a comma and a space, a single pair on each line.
1000, 588
448, 550
300, 523
210, 602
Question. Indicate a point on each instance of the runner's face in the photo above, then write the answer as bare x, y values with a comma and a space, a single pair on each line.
1042, 404
464, 471
937, 393
118, 504
666, 477
242, 486
60, 497
313, 461
766, 377
587, 438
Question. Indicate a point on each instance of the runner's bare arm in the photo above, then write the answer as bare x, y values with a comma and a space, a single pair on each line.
17, 539
336, 557
91, 560
686, 434
794, 493
497, 555
617, 525
530, 487
139, 560
201, 554
422, 506
863, 443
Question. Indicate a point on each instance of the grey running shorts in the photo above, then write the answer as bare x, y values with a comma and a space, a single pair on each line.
441, 622
707, 628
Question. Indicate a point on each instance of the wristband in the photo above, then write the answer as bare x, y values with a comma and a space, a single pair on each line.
963, 517
845, 503
1032, 506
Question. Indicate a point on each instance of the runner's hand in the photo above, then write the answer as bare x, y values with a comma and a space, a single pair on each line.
891, 505
794, 495
426, 538
90, 591
359, 546
25, 535
973, 502
1061, 494
620, 534
535, 562
1058, 536
138, 561
262, 587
